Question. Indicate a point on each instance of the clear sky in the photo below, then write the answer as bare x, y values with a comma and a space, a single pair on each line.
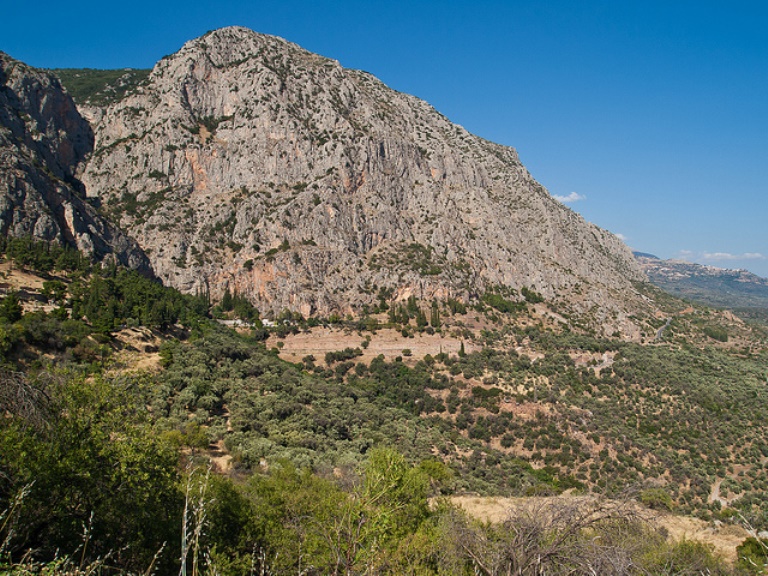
650, 118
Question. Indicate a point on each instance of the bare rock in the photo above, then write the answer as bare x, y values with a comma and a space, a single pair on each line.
247, 162
43, 142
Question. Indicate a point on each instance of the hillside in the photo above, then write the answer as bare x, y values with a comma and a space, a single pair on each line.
490, 402
99, 87
262, 314
246, 162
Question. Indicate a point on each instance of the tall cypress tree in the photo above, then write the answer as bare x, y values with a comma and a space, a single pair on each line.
434, 317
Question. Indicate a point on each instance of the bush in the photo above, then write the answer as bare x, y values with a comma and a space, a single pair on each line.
502, 304
10, 307
342, 355
657, 499
531, 296
752, 555
716, 333
94, 462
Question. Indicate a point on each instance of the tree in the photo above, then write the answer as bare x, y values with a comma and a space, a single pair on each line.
10, 307
92, 460
295, 516
54, 290
412, 306
387, 504
226, 300
434, 319
162, 314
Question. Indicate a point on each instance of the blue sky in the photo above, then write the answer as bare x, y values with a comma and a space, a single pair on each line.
648, 118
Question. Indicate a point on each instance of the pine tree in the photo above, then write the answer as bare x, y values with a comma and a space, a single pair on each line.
10, 307
412, 307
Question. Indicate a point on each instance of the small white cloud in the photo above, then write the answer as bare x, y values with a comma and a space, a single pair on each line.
572, 197
724, 256
621, 236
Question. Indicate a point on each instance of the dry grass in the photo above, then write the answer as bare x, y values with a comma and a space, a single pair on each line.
387, 342
14, 279
17, 279
137, 350
723, 538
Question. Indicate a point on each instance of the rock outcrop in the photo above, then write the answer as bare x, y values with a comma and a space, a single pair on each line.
43, 141
247, 162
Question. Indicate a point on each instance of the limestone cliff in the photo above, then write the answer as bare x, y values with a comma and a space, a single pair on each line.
246, 161
43, 140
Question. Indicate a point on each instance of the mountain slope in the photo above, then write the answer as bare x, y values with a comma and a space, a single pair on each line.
43, 140
249, 163
99, 87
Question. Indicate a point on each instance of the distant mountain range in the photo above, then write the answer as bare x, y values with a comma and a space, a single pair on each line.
719, 287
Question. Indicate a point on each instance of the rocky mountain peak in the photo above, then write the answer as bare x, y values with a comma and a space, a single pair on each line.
39, 115
232, 45
247, 162
43, 142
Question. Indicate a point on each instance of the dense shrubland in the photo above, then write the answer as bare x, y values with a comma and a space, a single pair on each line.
333, 463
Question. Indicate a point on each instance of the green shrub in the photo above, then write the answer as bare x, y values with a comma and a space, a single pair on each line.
716, 333
752, 555
657, 499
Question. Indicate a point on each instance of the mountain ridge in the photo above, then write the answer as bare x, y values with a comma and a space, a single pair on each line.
331, 188
43, 142
383, 200
710, 285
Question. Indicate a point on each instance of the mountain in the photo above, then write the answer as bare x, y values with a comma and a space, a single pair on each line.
719, 287
43, 141
244, 162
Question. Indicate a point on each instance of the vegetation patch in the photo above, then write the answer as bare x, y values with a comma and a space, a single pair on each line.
100, 87
522, 410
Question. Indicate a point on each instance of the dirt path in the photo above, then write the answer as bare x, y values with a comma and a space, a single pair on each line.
660, 331
714, 495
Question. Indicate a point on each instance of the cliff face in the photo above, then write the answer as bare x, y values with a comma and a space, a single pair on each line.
247, 162
43, 140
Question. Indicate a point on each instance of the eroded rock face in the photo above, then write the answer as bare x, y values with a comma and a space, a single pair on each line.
43, 141
248, 162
